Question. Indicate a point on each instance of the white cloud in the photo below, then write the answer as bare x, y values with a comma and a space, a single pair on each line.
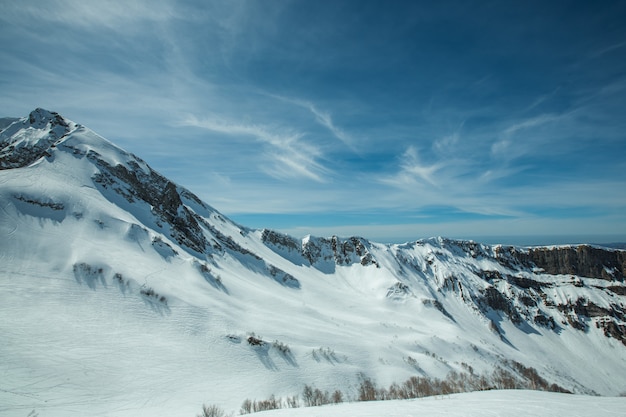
531, 123
413, 171
325, 120
292, 157
447, 144
511, 146
322, 117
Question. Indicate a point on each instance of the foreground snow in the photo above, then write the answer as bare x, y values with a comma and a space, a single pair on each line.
479, 404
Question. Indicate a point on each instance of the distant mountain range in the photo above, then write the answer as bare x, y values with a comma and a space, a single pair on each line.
122, 291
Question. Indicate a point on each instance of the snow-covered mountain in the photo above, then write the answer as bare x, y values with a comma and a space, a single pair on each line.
122, 293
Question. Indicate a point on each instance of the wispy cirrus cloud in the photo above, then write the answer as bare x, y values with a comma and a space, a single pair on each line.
531, 123
323, 118
290, 155
414, 172
326, 120
521, 137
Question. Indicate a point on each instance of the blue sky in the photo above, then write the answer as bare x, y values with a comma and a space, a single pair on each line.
393, 120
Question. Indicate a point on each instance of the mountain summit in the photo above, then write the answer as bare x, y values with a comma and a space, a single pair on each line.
123, 291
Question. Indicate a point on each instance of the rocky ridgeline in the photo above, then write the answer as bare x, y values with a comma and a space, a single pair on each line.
322, 253
526, 285
582, 260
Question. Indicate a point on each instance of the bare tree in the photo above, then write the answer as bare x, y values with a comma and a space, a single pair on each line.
212, 411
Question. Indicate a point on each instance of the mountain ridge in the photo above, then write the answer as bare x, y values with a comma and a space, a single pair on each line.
83, 219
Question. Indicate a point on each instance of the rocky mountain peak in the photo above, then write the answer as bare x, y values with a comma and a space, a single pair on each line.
19, 149
40, 118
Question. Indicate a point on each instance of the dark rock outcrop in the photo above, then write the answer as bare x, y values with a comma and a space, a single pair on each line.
584, 261
326, 253
351, 250
495, 300
134, 183
280, 240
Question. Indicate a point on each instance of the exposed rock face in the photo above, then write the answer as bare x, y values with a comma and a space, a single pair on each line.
583, 260
495, 300
351, 250
337, 251
322, 253
399, 290
280, 240
18, 150
527, 286
135, 183
582, 312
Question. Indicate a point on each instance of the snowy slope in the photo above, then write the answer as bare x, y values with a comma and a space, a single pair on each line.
121, 293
